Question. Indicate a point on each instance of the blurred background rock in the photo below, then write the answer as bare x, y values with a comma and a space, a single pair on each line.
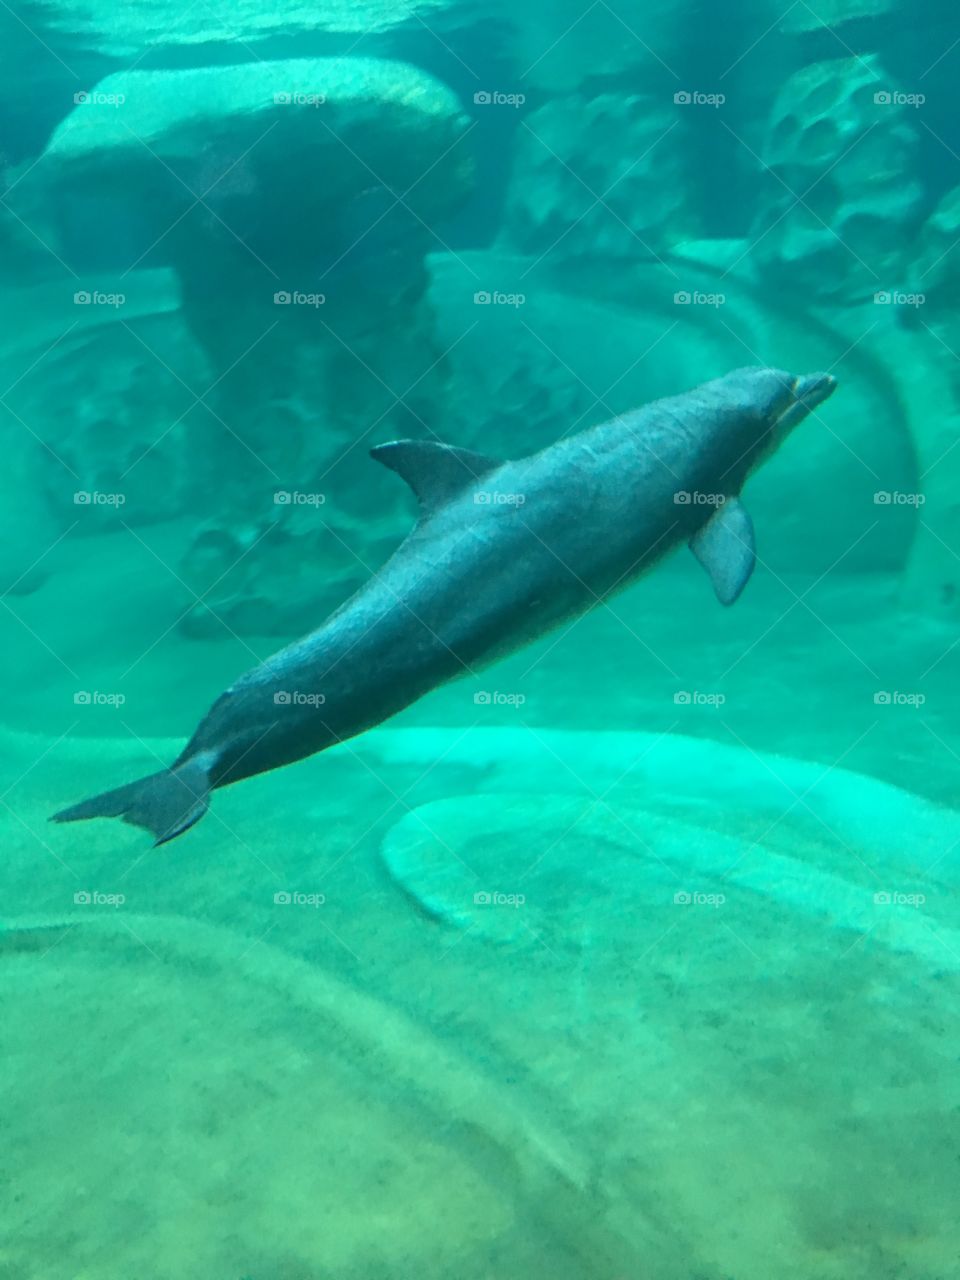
321, 199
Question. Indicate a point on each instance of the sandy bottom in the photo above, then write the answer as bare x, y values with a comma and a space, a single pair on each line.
511, 1002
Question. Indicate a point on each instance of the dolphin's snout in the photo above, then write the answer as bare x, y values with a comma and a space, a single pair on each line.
814, 388
809, 391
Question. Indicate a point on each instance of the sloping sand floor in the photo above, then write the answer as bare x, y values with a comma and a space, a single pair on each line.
702, 1045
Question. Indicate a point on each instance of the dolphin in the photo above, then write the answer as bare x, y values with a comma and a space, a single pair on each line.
502, 553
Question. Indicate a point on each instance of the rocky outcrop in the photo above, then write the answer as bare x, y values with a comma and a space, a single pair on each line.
843, 195
295, 202
600, 175
139, 25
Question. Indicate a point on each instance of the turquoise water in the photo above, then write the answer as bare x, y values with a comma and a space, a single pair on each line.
633, 956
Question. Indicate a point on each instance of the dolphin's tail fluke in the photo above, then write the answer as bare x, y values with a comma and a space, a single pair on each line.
166, 803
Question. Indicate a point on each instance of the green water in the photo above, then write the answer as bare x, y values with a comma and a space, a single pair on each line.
634, 956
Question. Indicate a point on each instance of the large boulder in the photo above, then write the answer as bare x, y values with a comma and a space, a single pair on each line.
265, 155
146, 24
843, 193
295, 201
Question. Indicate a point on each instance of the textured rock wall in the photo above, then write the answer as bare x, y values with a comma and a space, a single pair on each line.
780, 162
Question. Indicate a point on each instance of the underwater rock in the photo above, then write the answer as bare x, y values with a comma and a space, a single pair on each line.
934, 275
265, 153
45, 312
145, 24
597, 175
28, 527
295, 200
930, 307
23, 258
280, 576
831, 13
124, 452
701, 781
930, 395
472, 862
842, 195
557, 871
73, 422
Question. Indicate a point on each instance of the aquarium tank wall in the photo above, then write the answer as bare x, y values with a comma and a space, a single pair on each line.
480, 569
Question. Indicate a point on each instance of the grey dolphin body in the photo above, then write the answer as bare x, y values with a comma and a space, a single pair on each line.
503, 551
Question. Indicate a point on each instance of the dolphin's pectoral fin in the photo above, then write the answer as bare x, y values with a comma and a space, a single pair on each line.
726, 548
435, 472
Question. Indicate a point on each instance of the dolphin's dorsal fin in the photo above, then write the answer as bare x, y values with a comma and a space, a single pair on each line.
725, 547
435, 472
